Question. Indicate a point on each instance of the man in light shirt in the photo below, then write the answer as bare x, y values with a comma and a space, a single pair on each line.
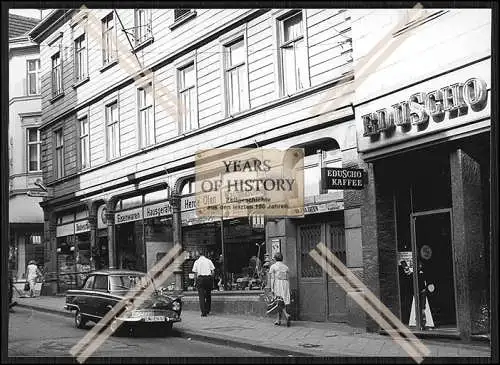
204, 270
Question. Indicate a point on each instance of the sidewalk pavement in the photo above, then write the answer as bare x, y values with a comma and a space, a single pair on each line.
302, 338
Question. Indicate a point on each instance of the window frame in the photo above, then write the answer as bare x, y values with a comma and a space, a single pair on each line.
57, 89
81, 136
85, 63
180, 67
37, 76
107, 126
279, 18
38, 143
239, 36
112, 54
177, 21
149, 26
59, 156
95, 281
145, 140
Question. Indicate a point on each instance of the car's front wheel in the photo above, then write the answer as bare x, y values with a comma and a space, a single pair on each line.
80, 320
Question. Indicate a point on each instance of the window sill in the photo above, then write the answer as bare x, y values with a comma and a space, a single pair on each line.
108, 65
182, 20
57, 97
80, 82
143, 44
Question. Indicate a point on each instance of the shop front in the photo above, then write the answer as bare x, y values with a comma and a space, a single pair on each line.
240, 243
73, 250
100, 252
426, 217
143, 230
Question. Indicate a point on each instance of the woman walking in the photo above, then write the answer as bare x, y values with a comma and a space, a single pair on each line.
280, 286
33, 272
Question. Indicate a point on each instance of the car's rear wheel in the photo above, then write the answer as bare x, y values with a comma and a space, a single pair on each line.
80, 319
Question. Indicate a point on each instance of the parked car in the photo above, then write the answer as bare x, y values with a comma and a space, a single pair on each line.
103, 289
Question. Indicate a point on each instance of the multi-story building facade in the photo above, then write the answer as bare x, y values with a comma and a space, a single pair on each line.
129, 96
422, 110
25, 213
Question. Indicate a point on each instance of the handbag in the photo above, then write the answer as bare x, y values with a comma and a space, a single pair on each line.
26, 286
274, 304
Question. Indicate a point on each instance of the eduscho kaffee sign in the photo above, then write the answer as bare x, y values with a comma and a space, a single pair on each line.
451, 103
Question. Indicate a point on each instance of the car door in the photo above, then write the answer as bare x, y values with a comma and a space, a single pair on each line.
85, 299
101, 293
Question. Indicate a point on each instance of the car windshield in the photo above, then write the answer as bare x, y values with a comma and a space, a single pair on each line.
127, 282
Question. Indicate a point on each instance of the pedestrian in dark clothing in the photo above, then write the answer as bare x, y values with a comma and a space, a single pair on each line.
406, 290
204, 271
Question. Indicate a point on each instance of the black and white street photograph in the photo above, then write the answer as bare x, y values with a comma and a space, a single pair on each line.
238, 184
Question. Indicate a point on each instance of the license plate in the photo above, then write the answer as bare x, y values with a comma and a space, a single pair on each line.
154, 319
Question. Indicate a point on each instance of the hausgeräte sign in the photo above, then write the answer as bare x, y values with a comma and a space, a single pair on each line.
345, 179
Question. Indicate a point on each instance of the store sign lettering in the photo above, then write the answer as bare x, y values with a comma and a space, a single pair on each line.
321, 208
452, 100
337, 178
157, 210
65, 230
188, 203
128, 216
82, 226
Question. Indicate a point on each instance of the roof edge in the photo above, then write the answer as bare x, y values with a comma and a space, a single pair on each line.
36, 34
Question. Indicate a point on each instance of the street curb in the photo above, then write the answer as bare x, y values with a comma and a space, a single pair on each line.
283, 351
47, 310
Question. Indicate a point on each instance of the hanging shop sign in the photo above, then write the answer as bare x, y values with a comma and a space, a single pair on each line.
344, 179
453, 100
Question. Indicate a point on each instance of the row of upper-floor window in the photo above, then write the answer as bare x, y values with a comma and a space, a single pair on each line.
141, 34
292, 68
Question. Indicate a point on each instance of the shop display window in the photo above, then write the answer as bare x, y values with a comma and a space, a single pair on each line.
244, 248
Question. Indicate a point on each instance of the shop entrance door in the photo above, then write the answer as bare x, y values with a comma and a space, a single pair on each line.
320, 298
433, 278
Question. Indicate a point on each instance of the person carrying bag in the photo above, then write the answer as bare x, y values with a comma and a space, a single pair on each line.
32, 274
280, 288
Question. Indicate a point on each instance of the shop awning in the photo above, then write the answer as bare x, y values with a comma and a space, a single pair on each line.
25, 209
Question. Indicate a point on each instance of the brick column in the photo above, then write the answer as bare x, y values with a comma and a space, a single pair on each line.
110, 220
50, 251
175, 201
471, 277
93, 236
353, 201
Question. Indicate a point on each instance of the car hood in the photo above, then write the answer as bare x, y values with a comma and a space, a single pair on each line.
158, 301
